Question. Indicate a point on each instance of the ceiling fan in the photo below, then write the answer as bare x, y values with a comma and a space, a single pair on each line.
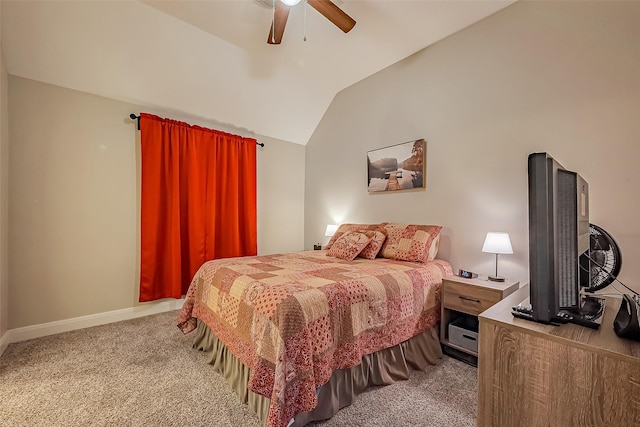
326, 7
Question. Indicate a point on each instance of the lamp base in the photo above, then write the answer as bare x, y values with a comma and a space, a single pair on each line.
496, 278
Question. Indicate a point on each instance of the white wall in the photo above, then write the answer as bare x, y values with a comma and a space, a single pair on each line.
4, 199
74, 202
560, 77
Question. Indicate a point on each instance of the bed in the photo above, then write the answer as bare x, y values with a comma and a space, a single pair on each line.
299, 334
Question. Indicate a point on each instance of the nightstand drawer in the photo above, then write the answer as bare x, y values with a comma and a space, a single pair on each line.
469, 298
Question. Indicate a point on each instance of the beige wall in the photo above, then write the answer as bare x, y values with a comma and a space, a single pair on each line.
4, 196
73, 203
560, 77
280, 197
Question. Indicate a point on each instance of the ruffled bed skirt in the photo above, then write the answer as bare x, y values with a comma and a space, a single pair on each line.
381, 368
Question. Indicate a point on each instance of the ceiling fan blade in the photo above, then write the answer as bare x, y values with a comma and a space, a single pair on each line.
279, 21
334, 14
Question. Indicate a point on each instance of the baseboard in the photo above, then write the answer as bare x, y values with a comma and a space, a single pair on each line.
4, 342
51, 328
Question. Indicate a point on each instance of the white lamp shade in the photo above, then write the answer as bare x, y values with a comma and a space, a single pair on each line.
290, 2
497, 243
331, 230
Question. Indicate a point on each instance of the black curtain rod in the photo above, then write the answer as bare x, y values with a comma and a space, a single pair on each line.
132, 116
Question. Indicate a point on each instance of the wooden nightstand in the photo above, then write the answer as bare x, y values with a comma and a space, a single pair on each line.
462, 301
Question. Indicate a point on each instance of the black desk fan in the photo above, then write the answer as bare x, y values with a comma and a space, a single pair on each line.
602, 261
607, 260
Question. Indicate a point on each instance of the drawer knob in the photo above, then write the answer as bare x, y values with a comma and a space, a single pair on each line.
462, 297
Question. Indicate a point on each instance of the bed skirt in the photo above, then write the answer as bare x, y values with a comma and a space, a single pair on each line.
380, 368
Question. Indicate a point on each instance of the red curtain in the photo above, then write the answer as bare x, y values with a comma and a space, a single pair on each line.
198, 202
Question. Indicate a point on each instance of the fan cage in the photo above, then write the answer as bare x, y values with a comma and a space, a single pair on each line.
608, 260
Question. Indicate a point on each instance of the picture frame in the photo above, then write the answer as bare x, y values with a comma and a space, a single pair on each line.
399, 167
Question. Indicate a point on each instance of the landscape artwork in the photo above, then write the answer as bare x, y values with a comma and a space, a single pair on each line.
399, 167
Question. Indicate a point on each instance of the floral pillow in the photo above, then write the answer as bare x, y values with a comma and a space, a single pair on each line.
350, 244
374, 246
352, 227
410, 242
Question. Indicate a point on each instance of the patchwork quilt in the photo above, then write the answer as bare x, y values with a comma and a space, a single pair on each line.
294, 318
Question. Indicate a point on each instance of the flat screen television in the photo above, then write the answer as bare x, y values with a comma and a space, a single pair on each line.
558, 235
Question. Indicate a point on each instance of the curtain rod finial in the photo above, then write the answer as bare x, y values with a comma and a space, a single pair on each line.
132, 116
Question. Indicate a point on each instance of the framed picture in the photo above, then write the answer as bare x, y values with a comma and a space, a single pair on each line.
398, 167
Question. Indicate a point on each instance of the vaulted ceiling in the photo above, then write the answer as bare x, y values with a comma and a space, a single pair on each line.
211, 60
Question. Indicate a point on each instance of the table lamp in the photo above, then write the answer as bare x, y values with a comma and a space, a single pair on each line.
331, 230
328, 232
497, 243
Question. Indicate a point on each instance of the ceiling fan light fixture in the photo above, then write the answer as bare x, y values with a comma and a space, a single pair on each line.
327, 8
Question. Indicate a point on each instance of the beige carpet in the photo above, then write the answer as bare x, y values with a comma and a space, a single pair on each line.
143, 372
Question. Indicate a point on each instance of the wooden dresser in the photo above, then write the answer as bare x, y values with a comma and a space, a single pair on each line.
531, 374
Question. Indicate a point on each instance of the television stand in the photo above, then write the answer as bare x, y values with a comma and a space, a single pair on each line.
590, 313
